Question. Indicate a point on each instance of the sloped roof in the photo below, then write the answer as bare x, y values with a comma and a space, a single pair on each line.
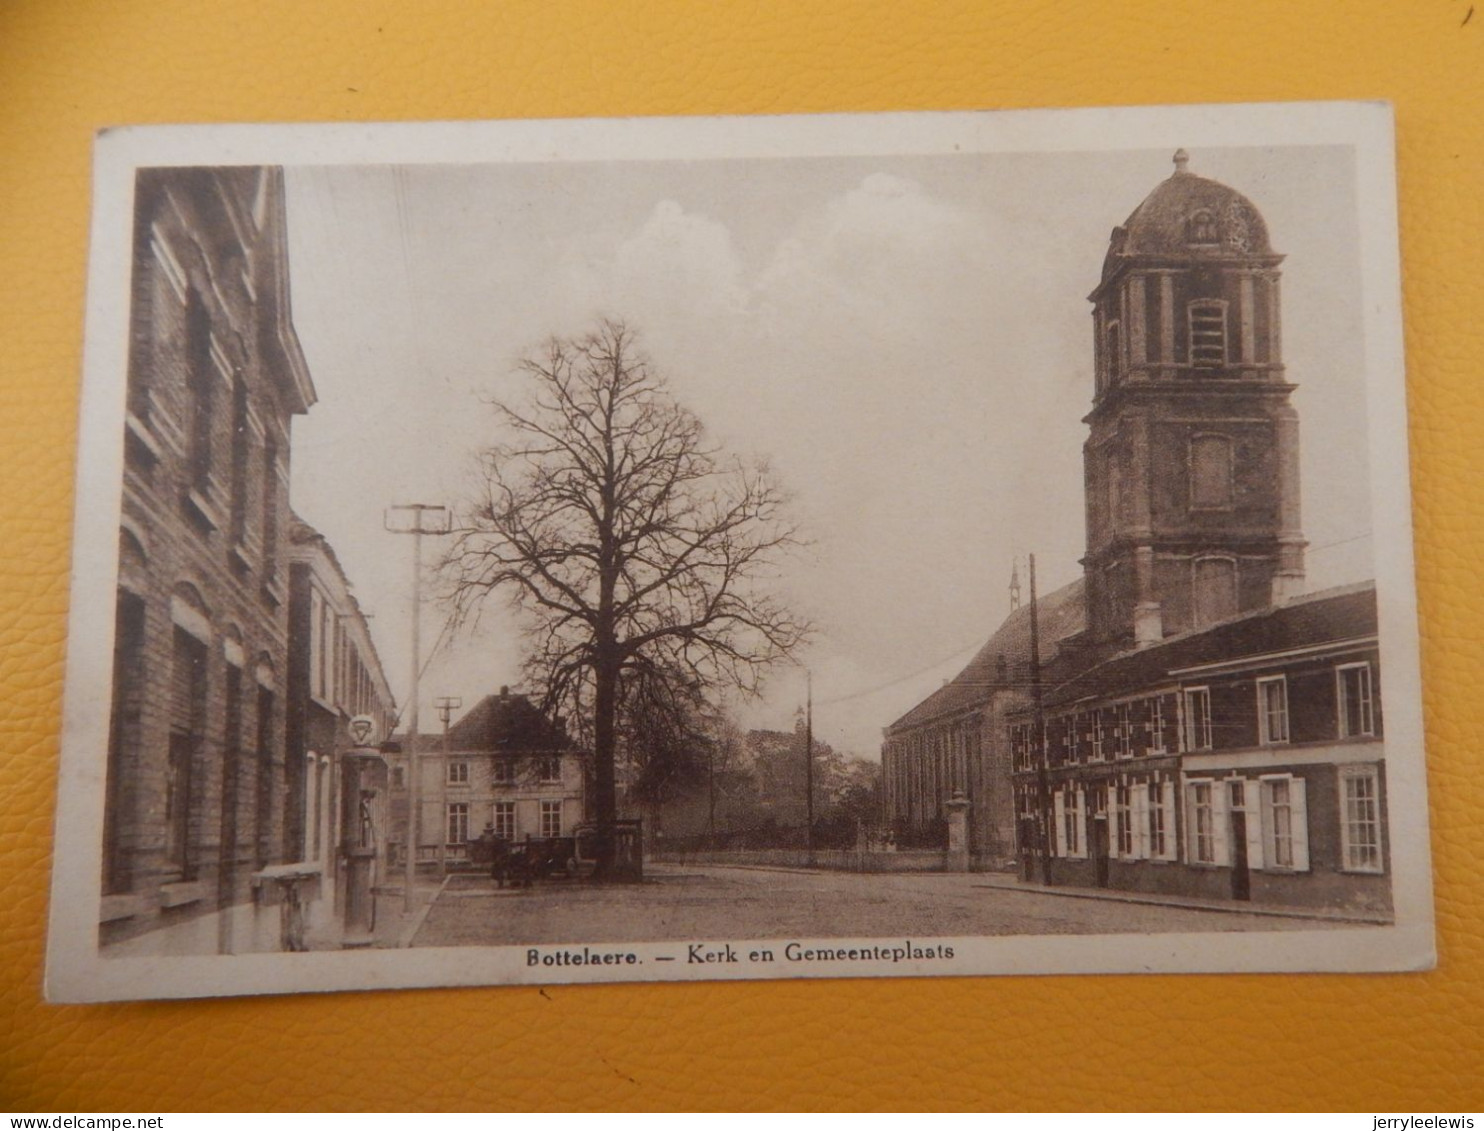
506, 722
1062, 614
1332, 615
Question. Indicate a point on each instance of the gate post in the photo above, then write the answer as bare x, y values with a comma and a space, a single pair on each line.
958, 833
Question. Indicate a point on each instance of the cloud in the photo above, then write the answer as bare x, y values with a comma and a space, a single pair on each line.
884, 249
680, 264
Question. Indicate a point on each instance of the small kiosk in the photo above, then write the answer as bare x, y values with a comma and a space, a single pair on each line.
363, 822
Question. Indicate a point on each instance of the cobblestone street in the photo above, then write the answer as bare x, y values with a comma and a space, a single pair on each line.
715, 901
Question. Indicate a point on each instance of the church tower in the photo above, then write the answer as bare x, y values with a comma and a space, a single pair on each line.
1191, 464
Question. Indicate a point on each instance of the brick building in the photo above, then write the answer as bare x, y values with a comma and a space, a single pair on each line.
1241, 761
197, 788
334, 675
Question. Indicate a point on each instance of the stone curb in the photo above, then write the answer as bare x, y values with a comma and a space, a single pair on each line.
1233, 908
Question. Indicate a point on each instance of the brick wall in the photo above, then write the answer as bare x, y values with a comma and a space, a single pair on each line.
205, 494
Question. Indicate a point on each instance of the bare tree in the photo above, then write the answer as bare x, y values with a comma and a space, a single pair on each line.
667, 730
638, 553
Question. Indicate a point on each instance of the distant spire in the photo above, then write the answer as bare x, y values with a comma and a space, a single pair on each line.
1181, 160
1014, 585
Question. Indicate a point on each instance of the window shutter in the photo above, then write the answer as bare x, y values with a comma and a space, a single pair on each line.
1265, 793
1167, 802
1059, 806
1296, 793
1220, 825
1141, 822
1116, 817
1252, 795
1081, 852
1190, 853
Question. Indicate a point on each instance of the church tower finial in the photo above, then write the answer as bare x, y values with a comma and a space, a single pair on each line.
1181, 159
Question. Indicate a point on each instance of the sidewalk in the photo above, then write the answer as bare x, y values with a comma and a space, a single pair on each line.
395, 926
1005, 881
1002, 881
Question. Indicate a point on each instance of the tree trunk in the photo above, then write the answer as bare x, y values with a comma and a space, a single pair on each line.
605, 789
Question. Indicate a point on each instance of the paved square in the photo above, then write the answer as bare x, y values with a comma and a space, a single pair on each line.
720, 902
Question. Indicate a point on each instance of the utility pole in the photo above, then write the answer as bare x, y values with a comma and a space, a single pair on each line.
809, 764
1038, 734
447, 705
425, 518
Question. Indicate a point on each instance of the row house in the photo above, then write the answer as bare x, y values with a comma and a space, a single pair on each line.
1245, 761
197, 780
337, 807
504, 768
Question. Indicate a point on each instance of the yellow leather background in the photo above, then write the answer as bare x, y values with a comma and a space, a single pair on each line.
68, 67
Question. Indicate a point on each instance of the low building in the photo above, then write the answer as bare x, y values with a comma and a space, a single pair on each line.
504, 767
1241, 761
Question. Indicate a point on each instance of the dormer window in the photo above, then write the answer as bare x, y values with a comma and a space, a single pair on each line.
1208, 334
1202, 229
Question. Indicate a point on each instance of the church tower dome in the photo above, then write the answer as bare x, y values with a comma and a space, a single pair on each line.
1189, 218
1191, 461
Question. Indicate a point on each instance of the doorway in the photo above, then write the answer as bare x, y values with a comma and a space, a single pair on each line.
1241, 873
1100, 849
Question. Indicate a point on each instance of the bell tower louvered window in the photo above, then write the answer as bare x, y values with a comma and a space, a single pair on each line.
1208, 334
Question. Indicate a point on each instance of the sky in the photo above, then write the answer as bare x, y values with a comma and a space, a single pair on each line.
905, 339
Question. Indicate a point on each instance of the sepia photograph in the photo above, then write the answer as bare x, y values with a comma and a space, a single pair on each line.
840, 546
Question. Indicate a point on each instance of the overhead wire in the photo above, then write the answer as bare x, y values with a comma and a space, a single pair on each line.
963, 651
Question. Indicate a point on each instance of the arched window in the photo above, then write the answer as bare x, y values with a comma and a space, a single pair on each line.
1215, 589
1207, 333
125, 739
186, 828
1211, 475
133, 560
1113, 352
267, 765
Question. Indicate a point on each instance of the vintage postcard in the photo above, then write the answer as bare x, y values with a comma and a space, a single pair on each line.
840, 546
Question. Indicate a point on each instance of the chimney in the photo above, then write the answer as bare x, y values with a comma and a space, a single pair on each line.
504, 691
